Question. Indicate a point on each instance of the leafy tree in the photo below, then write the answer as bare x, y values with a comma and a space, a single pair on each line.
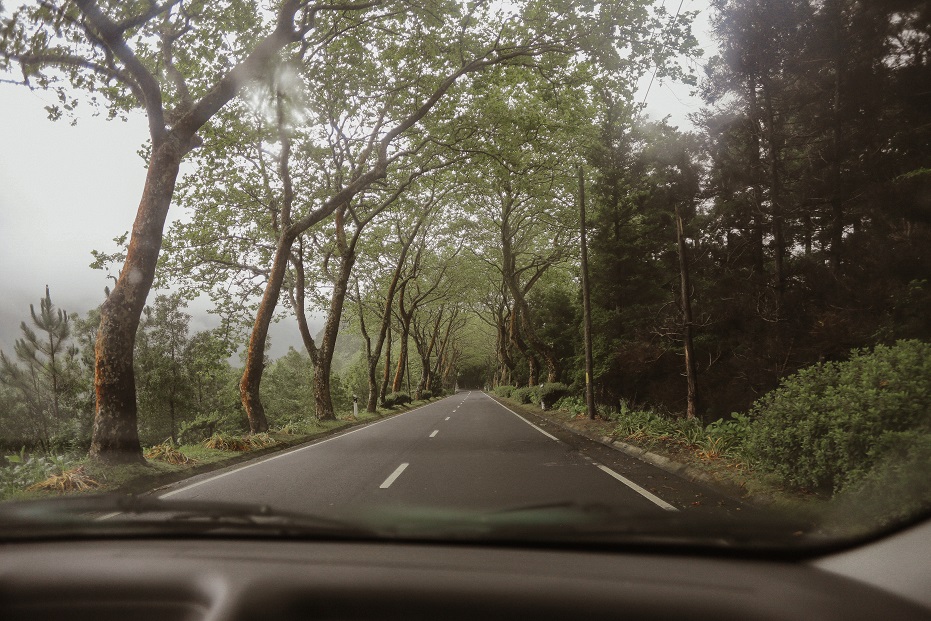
164, 387
180, 64
288, 388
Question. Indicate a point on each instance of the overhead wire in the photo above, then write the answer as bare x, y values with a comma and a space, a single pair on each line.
663, 49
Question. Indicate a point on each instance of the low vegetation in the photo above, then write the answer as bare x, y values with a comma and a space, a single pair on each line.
27, 475
850, 430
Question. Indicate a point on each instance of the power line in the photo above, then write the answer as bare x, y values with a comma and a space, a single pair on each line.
656, 68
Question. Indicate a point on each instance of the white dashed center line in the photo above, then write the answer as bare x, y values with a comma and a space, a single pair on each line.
435, 431
394, 475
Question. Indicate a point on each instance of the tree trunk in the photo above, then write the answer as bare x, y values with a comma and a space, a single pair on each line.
116, 436
692, 410
297, 302
386, 376
402, 355
255, 355
776, 199
837, 206
586, 306
755, 220
322, 397
386, 318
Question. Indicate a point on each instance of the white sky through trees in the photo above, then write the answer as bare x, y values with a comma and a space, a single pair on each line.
66, 190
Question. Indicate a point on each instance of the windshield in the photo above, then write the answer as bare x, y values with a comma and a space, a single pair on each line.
552, 271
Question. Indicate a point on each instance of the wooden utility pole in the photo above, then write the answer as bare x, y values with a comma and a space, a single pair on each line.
586, 306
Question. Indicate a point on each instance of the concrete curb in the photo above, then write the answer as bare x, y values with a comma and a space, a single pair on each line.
686, 471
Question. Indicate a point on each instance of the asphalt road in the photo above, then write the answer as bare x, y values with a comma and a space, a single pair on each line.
463, 453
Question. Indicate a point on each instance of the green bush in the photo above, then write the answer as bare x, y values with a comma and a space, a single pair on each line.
820, 428
426, 395
21, 470
898, 485
643, 424
206, 425
729, 437
552, 392
503, 391
571, 404
527, 394
394, 399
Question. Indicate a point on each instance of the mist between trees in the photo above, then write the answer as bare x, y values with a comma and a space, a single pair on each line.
412, 172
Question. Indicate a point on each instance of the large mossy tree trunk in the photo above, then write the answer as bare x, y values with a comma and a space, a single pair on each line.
116, 438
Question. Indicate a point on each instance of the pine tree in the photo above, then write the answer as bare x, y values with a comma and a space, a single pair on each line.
45, 370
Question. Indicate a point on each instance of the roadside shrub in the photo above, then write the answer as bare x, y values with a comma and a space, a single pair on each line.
230, 442
503, 391
22, 471
643, 425
394, 399
167, 452
227, 442
552, 392
426, 395
897, 487
205, 426
728, 437
571, 404
73, 480
821, 427
527, 394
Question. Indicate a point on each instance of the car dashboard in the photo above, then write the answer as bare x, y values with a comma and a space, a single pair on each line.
243, 579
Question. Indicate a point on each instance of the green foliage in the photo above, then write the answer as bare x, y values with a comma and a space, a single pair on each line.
552, 392
526, 395
395, 399
729, 437
896, 487
204, 426
287, 388
820, 429
167, 452
21, 470
239, 443
163, 394
503, 391
643, 424
571, 403
43, 381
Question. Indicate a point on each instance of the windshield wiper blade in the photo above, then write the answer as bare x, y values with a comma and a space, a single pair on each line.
113, 512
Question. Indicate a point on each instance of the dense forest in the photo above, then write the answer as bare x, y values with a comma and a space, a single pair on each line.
414, 172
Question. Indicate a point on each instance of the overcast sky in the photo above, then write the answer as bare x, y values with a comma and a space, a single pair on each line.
66, 190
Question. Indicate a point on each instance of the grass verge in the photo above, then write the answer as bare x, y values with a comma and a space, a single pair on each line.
166, 464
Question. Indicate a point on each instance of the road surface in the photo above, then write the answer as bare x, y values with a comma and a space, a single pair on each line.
463, 453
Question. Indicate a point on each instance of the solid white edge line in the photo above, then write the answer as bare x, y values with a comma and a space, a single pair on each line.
394, 475
286, 453
548, 435
651, 497
435, 431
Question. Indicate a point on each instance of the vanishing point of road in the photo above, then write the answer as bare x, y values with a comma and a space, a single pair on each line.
466, 452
